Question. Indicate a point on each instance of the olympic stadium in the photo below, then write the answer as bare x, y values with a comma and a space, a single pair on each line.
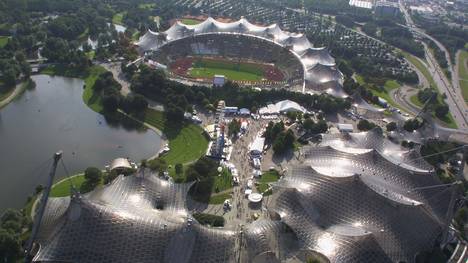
287, 59
351, 198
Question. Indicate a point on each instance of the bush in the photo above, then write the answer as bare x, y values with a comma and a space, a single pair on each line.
158, 165
365, 125
93, 175
412, 125
391, 126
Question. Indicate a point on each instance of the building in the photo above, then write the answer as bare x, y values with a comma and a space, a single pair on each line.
219, 80
282, 107
355, 198
345, 127
386, 8
256, 148
367, 4
307, 66
120, 165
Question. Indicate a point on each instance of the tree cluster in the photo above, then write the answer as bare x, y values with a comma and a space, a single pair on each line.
12, 225
12, 68
315, 127
178, 98
93, 176
434, 103
365, 125
281, 139
234, 127
412, 125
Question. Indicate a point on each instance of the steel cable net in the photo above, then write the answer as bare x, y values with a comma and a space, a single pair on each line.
346, 201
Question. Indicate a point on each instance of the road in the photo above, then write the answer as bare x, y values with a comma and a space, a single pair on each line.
454, 99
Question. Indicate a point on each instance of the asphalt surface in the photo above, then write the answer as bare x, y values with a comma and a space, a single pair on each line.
454, 100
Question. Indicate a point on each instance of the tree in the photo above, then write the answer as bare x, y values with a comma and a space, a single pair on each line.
365, 125
158, 165
9, 77
284, 142
391, 126
10, 246
412, 125
110, 102
179, 168
234, 127
93, 176
441, 110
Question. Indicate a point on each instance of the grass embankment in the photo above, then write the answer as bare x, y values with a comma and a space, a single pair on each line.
267, 178
384, 93
421, 67
218, 199
189, 21
6, 92
207, 68
3, 41
118, 18
89, 76
463, 73
148, 6
187, 142
448, 120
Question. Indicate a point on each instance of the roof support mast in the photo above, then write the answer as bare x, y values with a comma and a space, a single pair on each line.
43, 203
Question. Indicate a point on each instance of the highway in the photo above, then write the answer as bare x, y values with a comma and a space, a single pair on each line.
454, 100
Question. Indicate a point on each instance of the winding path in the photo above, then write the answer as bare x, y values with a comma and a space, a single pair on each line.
19, 88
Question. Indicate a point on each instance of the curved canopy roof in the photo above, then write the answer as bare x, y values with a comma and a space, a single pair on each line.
319, 65
348, 200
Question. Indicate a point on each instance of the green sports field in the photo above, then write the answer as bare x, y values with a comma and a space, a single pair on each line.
189, 21
207, 68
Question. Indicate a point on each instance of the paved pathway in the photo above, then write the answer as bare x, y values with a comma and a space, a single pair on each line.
19, 88
116, 71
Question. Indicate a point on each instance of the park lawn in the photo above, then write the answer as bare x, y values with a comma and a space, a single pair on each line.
385, 93
189, 21
3, 41
217, 199
463, 73
421, 67
91, 54
63, 187
92, 99
448, 120
187, 143
267, 177
148, 6
117, 18
415, 100
464, 87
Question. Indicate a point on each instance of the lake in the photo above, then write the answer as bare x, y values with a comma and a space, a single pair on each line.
51, 117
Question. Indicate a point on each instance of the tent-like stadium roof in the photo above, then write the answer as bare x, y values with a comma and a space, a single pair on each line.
348, 200
320, 72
